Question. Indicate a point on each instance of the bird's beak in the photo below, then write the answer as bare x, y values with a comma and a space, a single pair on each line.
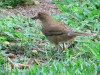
35, 17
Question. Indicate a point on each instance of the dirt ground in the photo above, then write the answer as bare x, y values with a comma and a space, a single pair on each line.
31, 10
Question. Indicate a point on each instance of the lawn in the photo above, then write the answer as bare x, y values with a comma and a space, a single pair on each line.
22, 36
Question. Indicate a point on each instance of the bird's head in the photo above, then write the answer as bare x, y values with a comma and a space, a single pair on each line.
42, 16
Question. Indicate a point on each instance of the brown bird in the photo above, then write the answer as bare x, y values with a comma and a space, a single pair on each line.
56, 32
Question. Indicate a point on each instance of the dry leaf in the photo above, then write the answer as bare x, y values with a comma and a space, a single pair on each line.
11, 55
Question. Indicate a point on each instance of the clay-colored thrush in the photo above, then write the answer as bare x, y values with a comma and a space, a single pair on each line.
56, 32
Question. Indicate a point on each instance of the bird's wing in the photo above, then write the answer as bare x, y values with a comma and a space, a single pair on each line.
56, 30
65, 30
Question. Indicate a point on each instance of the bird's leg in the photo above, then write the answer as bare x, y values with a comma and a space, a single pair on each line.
57, 46
64, 47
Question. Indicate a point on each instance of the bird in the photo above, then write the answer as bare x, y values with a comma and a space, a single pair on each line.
56, 32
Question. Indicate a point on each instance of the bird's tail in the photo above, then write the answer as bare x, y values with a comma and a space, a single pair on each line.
81, 34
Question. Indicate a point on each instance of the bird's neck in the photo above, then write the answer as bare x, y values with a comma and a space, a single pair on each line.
48, 22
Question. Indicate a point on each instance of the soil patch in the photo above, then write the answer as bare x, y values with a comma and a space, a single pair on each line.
31, 10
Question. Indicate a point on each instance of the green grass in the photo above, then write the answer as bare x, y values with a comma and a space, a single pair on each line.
9, 3
23, 34
15, 3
